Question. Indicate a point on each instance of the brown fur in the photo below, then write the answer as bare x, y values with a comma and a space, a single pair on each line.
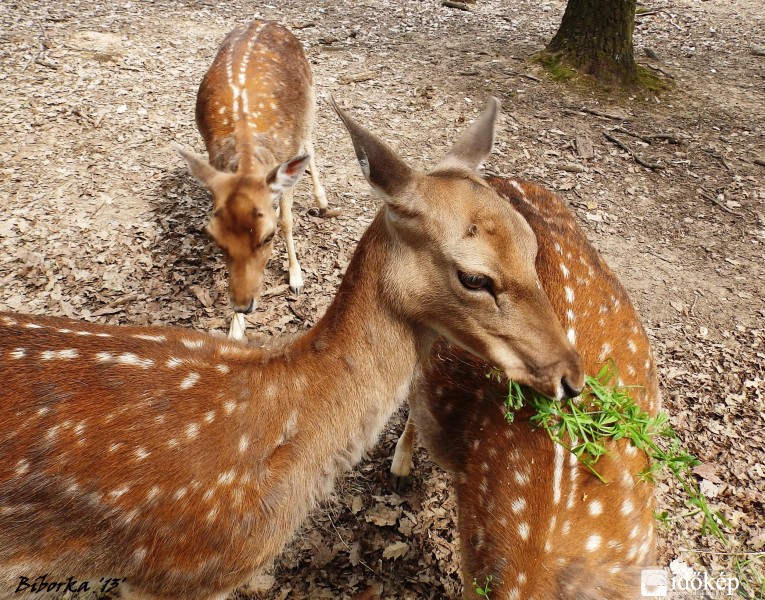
459, 413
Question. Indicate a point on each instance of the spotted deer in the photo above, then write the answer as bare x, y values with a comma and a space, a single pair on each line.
255, 111
531, 516
182, 463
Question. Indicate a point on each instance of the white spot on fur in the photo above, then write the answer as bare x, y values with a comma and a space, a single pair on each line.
605, 352
104, 357
593, 543
116, 494
22, 467
210, 416
564, 270
226, 478
192, 344
153, 493
571, 335
627, 507
569, 294
63, 354
524, 531
149, 338
518, 505
141, 453
18, 353
192, 430
244, 443
595, 508
229, 406
223, 369
189, 381
557, 472
131, 359
33, 326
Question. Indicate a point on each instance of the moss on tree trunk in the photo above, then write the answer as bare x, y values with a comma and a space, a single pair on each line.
595, 37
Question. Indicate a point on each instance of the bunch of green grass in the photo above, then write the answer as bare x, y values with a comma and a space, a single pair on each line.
607, 411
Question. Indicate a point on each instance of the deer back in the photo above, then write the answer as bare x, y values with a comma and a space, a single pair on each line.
257, 97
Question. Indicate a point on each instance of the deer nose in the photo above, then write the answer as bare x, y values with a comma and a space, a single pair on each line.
570, 390
250, 307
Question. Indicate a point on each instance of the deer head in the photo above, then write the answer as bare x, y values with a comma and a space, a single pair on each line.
465, 261
243, 222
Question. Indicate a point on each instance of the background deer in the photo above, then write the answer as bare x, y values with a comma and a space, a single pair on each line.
530, 515
255, 111
182, 463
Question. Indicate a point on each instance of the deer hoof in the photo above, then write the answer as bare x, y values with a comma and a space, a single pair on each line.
296, 289
399, 483
317, 212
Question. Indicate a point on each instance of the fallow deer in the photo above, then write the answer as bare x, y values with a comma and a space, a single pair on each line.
531, 517
181, 463
255, 111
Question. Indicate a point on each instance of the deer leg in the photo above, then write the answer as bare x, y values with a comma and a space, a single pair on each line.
237, 328
402, 457
285, 220
319, 195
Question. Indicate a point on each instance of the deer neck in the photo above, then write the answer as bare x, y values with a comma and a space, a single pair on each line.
329, 394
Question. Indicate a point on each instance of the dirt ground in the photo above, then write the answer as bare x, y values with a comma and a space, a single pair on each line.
100, 221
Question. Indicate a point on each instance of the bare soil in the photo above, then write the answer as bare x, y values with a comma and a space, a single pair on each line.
100, 221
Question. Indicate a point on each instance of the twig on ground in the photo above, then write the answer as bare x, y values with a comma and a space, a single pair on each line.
708, 196
526, 75
669, 137
451, 4
650, 11
760, 161
357, 78
605, 115
632, 153
46, 63
718, 156
647, 140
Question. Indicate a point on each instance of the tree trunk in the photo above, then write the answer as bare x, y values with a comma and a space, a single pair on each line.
595, 37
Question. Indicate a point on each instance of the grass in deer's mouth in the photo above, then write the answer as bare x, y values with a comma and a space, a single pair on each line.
606, 411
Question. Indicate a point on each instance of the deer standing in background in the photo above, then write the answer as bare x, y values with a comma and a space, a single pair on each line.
182, 463
255, 111
530, 515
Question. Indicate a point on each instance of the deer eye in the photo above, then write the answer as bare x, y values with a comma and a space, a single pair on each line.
267, 239
474, 281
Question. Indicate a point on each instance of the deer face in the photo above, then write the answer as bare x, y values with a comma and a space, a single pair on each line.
243, 223
465, 262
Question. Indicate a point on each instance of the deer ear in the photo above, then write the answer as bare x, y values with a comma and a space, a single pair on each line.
474, 145
382, 167
199, 168
287, 174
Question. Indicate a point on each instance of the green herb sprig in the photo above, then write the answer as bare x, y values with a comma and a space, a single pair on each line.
607, 411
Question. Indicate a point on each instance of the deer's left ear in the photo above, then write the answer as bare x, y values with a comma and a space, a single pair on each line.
287, 174
382, 167
475, 144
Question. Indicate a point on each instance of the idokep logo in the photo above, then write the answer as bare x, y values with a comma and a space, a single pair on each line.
655, 582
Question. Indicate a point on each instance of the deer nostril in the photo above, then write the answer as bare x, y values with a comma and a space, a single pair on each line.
246, 311
569, 391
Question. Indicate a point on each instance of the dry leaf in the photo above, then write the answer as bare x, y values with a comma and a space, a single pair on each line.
396, 550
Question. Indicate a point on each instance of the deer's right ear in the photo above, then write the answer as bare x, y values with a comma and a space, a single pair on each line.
382, 167
199, 168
